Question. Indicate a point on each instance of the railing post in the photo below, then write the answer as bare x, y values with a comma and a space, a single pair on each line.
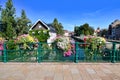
39, 48
76, 52
95, 54
4, 53
113, 53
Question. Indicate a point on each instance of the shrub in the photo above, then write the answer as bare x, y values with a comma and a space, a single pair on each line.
41, 35
11, 45
63, 43
94, 44
25, 39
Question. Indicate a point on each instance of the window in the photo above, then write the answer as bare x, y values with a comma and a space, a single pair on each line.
40, 26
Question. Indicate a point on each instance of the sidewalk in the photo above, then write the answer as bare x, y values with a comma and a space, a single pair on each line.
59, 71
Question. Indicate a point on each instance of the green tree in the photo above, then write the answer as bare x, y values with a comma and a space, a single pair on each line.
0, 19
77, 31
58, 27
103, 32
91, 30
0, 11
83, 29
23, 24
61, 31
0, 7
10, 31
8, 18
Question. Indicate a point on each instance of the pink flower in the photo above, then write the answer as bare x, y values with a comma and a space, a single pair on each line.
72, 46
1, 46
68, 53
85, 39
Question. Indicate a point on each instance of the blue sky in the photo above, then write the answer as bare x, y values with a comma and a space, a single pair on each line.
98, 13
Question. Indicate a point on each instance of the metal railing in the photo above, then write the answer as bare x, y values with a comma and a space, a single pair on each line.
109, 53
46, 52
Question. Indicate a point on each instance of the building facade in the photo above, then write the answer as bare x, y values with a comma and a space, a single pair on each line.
114, 30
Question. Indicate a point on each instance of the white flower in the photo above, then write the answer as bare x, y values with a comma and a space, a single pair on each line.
39, 31
33, 32
45, 32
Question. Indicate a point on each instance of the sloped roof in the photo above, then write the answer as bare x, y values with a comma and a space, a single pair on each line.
48, 26
52, 29
40, 22
115, 23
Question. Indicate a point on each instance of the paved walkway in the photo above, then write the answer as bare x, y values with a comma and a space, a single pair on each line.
59, 71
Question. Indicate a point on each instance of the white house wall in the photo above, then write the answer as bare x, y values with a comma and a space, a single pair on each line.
66, 34
52, 37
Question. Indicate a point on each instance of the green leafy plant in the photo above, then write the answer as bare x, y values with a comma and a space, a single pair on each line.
19, 47
24, 40
94, 44
41, 35
11, 45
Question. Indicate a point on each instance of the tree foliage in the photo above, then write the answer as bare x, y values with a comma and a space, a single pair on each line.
58, 27
76, 31
10, 32
103, 32
8, 18
13, 26
22, 24
0, 7
83, 29
0, 11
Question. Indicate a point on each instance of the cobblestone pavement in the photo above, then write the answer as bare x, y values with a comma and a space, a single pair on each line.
59, 71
